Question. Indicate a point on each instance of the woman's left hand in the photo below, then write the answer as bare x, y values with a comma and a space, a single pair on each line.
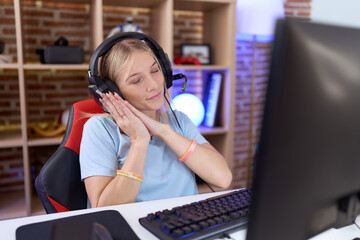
154, 127
128, 122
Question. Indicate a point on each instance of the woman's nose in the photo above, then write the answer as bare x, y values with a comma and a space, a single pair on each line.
152, 83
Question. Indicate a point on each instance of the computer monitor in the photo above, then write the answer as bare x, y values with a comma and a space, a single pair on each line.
307, 177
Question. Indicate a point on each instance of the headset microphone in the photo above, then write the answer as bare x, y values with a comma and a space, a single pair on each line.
184, 85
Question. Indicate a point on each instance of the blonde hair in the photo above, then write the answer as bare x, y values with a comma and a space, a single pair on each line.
113, 62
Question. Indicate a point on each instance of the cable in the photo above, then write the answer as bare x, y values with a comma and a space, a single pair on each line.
173, 113
183, 88
202, 180
226, 235
356, 225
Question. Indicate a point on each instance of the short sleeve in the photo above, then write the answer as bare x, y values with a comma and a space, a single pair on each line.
188, 128
98, 152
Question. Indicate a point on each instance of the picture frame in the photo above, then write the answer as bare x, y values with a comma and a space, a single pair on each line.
197, 50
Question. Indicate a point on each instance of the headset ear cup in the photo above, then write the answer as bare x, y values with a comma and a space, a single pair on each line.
167, 70
111, 86
104, 85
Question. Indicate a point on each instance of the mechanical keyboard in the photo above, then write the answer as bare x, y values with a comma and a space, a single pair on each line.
201, 220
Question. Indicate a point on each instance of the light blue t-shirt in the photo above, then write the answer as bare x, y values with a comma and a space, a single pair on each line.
104, 149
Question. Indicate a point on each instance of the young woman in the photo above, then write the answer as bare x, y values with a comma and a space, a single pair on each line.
140, 151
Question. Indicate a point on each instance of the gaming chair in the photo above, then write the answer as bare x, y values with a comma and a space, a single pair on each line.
59, 184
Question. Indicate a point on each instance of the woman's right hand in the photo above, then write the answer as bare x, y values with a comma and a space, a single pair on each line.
130, 124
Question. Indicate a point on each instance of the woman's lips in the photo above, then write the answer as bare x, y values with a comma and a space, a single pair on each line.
155, 96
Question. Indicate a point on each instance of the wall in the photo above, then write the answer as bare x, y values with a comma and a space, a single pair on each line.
298, 9
345, 12
50, 92
248, 119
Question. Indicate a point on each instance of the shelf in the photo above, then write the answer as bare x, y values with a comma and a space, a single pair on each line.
12, 205
199, 67
212, 131
44, 141
200, 5
8, 66
10, 139
56, 66
37, 207
125, 3
47, 66
133, 3
86, 67
13, 139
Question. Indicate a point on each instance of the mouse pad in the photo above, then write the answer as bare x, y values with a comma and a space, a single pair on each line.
78, 227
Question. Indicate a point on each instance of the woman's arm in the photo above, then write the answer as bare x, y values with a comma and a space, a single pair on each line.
205, 161
104, 191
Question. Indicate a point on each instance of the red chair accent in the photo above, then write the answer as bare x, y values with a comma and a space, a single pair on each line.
59, 184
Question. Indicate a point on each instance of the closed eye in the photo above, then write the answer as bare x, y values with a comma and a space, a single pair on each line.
136, 81
155, 70
154, 67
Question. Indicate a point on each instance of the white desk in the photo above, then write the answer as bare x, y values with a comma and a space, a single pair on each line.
132, 212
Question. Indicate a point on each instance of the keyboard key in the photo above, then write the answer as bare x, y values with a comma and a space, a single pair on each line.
235, 215
167, 227
195, 227
187, 230
211, 222
178, 233
218, 220
150, 217
203, 224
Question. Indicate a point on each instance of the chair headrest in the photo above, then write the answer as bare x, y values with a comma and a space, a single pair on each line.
77, 119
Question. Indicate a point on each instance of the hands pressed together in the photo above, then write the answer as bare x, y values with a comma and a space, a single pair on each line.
135, 124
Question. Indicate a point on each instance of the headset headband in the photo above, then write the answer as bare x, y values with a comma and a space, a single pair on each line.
106, 45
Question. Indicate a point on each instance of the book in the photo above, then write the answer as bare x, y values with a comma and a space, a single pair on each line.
211, 99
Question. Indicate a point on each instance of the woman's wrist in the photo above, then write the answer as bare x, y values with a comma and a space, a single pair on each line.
140, 143
164, 131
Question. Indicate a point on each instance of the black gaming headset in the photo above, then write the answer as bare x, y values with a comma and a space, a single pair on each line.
100, 85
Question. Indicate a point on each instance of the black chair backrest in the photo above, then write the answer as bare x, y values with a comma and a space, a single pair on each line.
59, 184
